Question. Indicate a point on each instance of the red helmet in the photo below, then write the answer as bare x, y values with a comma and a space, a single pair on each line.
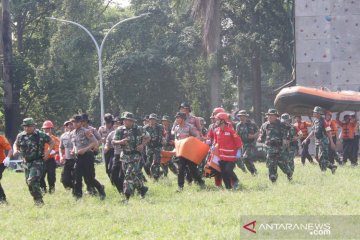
47, 124
328, 113
222, 116
218, 110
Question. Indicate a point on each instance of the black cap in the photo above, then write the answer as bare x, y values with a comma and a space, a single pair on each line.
77, 118
108, 117
85, 117
185, 105
181, 115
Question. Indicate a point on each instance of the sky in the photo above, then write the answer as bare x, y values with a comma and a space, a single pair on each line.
123, 3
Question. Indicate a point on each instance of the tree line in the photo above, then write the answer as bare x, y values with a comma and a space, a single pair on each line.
230, 53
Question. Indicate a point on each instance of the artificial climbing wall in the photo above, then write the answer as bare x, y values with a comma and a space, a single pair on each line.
327, 35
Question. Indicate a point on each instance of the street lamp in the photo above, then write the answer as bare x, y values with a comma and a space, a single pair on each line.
99, 50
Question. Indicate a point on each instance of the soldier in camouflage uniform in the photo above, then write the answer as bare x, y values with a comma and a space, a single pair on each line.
132, 139
248, 132
30, 144
275, 135
153, 147
288, 153
168, 146
322, 132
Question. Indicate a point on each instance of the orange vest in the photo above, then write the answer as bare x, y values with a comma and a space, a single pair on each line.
303, 127
56, 145
4, 146
333, 125
348, 130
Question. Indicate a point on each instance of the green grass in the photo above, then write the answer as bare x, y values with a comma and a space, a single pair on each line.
164, 214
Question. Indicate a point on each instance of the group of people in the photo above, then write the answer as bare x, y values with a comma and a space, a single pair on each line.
129, 148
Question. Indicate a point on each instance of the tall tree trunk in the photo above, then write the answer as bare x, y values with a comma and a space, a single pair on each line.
241, 93
214, 76
7, 71
256, 84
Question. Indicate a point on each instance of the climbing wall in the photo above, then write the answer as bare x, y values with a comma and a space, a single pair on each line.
327, 34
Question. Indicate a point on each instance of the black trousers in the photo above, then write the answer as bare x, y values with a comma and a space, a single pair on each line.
68, 173
227, 173
50, 171
332, 152
356, 149
348, 148
109, 155
84, 167
183, 163
305, 152
2, 193
117, 174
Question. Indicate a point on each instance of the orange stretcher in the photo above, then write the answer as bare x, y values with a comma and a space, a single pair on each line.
302, 100
166, 156
192, 149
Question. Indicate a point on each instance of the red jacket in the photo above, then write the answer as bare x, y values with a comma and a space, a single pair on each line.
228, 142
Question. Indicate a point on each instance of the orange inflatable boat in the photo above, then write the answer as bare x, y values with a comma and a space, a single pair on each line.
191, 148
302, 100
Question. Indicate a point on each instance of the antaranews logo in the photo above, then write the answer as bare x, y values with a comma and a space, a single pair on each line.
252, 224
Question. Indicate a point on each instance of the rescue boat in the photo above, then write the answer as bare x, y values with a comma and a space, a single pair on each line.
301, 100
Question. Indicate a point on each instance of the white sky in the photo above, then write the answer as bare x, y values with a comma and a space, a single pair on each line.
123, 3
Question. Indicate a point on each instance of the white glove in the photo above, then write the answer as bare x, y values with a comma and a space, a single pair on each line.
52, 152
6, 162
238, 154
208, 142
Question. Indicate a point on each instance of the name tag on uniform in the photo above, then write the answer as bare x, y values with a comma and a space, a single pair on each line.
227, 134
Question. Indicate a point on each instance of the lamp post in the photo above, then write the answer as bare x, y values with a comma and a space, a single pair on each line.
99, 50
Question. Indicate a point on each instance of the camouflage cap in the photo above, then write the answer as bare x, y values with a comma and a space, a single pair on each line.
128, 116
153, 116
285, 117
272, 111
28, 122
318, 110
242, 113
165, 118
146, 117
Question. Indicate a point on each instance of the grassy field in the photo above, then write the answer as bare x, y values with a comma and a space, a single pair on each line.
164, 214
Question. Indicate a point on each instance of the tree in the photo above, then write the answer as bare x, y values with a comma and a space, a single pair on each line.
10, 108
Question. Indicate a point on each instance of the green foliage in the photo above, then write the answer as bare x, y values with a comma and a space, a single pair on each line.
150, 64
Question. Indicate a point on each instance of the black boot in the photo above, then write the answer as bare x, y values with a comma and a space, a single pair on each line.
143, 191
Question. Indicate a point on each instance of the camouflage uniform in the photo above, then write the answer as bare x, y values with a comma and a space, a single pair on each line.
169, 146
31, 147
273, 135
153, 148
288, 152
131, 158
249, 147
322, 143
